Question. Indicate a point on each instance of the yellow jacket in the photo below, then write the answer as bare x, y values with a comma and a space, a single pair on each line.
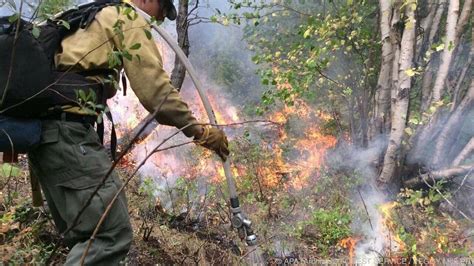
90, 49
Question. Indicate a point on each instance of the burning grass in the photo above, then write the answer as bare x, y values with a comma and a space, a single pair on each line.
419, 230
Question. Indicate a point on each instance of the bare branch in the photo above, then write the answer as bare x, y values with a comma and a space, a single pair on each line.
439, 175
463, 181
463, 18
447, 200
468, 149
151, 126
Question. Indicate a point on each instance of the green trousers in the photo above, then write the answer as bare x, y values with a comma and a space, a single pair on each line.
69, 163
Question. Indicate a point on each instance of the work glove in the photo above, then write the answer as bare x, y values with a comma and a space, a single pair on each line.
215, 140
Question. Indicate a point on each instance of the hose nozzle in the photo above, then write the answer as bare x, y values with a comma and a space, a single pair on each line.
242, 223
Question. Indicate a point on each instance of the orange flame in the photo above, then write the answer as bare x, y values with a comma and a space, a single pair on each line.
386, 210
310, 145
349, 243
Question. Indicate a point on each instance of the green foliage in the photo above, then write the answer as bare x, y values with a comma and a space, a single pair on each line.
422, 199
88, 103
186, 191
328, 228
24, 228
9, 170
49, 8
423, 229
292, 60
148, 190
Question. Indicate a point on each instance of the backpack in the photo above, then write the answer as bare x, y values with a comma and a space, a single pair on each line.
29, 82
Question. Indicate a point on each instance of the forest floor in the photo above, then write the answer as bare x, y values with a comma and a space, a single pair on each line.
316, 224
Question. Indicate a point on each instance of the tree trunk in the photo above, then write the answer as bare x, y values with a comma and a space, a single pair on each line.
428, 75
463, 18
426, 25
449, 46
382, 95
426, 87
179, 72
462, 75
451, 128
364, 116
401, 100
436, 21
468, 149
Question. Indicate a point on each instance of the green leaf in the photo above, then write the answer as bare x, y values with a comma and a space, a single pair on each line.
439, 47
451, 46
93, 95
82, 95
148, 34
136, 46
99, 119
10, 170
307, 33
13, 18
65, 24
36, 32
127, 55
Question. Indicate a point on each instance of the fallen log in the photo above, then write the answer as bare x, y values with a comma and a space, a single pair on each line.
439, 175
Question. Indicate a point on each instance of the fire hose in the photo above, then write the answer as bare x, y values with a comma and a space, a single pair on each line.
239, 220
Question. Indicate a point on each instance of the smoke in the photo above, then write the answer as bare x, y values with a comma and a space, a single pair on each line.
367, 222
225, 93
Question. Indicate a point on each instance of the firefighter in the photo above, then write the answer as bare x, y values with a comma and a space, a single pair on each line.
71, 161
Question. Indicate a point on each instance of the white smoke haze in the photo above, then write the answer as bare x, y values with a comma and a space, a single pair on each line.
367, 222
209, 41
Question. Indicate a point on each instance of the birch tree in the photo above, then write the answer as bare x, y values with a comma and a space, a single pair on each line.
400, 95
382, 96
449, 44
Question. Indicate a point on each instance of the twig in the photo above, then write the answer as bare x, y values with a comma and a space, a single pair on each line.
293, 10
463, 181
148, 131
365, 207
446, 199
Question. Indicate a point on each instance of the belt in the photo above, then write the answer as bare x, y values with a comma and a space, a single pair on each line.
71, 117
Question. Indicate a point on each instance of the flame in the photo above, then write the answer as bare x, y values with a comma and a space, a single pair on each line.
350, 244
311, 146
390, 226
308, 146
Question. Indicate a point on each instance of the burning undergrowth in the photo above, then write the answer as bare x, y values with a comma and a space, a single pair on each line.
309, 193
278, 167
409, 227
